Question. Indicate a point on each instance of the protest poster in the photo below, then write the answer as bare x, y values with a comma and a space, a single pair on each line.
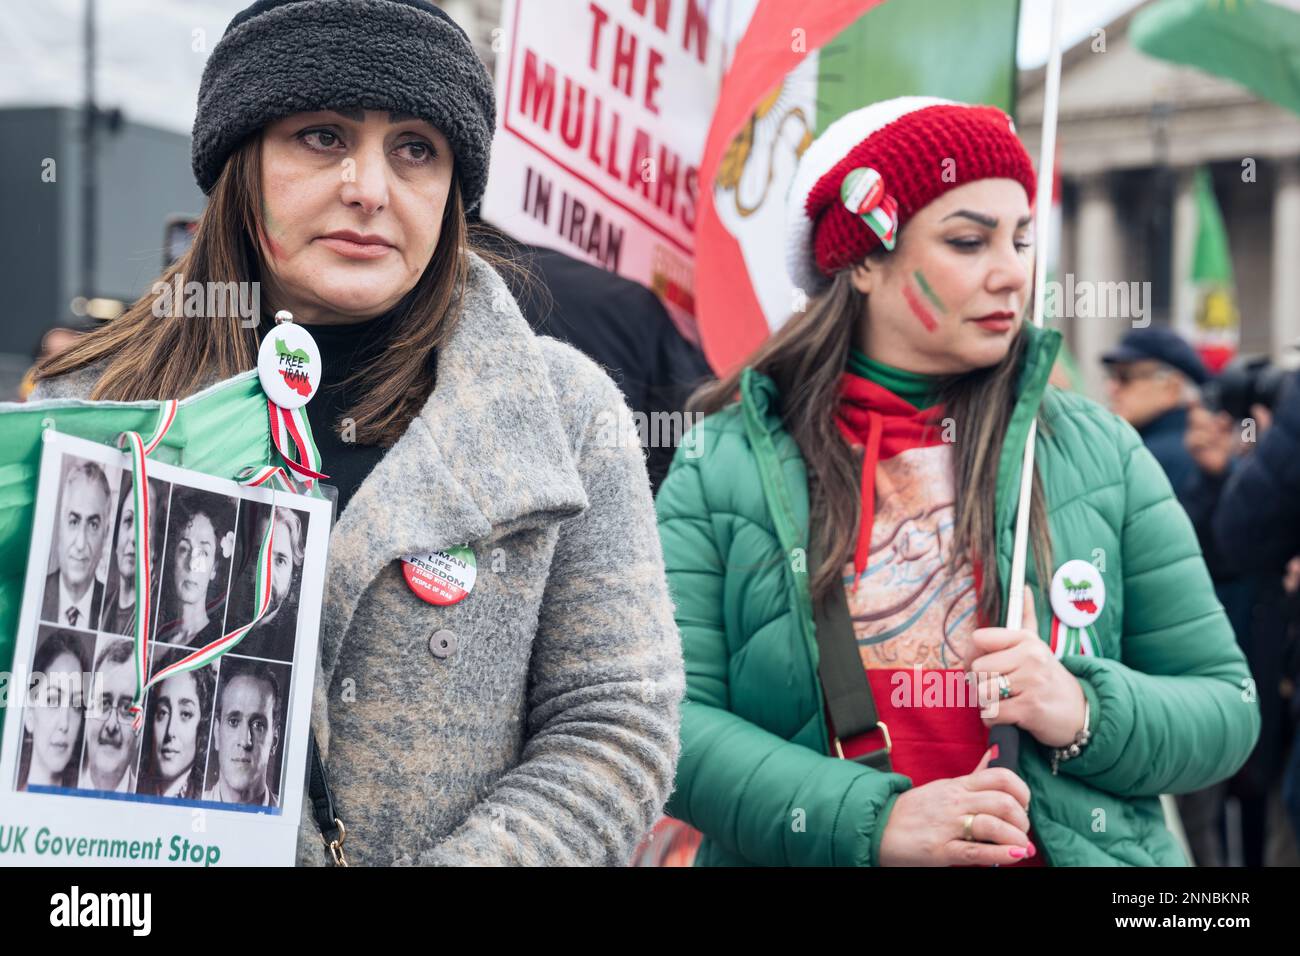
213, 770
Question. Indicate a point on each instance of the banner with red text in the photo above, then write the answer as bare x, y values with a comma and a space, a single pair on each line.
603, 107
657, 138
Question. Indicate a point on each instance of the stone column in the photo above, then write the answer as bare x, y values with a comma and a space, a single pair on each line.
1286, 257
1098, 257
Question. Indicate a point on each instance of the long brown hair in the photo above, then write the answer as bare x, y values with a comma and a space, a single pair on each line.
805, 359
171, 357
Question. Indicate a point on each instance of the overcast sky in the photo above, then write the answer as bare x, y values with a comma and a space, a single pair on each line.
149, 67
1080, 18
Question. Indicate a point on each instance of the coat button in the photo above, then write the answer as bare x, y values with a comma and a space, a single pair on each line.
442, 644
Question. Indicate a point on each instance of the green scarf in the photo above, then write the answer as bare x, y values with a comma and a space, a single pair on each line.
914, 388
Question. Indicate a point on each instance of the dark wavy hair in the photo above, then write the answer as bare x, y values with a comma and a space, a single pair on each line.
205, 680
47, 652
187, 504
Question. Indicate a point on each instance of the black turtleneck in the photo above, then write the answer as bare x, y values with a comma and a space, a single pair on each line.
343, 349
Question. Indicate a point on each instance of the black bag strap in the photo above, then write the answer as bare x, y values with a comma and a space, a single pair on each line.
332, 830
844, 680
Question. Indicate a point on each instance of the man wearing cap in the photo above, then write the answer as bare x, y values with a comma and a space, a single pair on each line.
1152, 377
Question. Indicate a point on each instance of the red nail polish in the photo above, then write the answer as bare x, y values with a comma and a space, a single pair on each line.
1033, 850
994, 750
1017, 853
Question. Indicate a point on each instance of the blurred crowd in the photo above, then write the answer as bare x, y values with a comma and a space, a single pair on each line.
1230, 446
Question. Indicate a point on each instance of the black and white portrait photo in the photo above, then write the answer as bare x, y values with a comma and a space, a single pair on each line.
273, 635
196, 567
244, 763
111, 750
74, 590
119, 610
178, 717
54, 709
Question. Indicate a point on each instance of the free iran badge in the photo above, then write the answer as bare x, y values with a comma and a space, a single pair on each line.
441, 577
1078, 596
288, 364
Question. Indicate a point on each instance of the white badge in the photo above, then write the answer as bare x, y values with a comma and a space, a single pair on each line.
288, 364
1078, 594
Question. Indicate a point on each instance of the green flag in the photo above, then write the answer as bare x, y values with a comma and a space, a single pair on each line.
942, 48
1211, 261
1253, 42
1218, 322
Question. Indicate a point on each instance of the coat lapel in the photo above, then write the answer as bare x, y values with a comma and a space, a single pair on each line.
488, 454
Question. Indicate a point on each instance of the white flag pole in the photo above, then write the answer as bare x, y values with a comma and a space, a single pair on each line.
1042, 216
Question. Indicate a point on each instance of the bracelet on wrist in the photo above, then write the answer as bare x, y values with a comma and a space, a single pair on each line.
1075, 747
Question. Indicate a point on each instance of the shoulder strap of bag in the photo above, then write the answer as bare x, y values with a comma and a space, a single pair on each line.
332, 830
844, 680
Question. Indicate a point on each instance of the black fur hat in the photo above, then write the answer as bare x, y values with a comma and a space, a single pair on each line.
279, 57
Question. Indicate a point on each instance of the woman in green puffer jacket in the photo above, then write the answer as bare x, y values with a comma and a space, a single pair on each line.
873, 458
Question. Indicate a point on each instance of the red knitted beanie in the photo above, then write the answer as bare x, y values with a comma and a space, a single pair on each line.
888, 161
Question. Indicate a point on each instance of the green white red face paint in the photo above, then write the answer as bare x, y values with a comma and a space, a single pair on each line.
276, 250
921, 300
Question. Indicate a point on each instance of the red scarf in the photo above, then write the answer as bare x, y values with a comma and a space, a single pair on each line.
873, 418
929, 743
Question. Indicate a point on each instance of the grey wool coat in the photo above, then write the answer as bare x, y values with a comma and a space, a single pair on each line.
549, 733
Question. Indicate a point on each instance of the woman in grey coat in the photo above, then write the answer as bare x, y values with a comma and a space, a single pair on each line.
535, 721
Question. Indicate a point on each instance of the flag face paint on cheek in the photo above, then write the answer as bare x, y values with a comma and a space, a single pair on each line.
929, 292
273, 247
919, 308
918, 304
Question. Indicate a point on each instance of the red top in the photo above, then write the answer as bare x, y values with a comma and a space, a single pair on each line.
912, 601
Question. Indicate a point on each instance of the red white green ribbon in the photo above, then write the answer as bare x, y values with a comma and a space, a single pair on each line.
165, 419
272, 476
291, 426
1072, 640
863, 194
210, 652
143, 565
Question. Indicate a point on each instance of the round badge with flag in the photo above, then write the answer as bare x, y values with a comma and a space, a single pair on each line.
1077, 593
863, 194
1078, 596
288, 365
441, 577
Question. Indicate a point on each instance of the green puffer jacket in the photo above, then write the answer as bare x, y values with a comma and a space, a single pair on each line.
1172, 703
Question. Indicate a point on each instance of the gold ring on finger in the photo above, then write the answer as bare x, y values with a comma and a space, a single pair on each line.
967, 827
